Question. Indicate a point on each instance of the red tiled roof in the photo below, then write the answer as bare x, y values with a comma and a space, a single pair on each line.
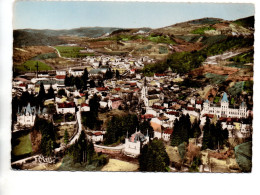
97, 133
60, 76
198, 102
159, 75
22, 85
118, 89
168, 131
116, 99
209, 115
82, 94
102, 88
190, 108
158, 107
66, 105
84, 104
132, 84
173, 113
147, 116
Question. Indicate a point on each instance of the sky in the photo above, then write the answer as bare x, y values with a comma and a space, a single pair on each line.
67, 15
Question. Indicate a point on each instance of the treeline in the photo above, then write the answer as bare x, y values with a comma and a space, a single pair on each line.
82, 150
184, 62
153, 157
48, 136
183, 130
119, 126
83, 81
90, 118
214, 137
81, 156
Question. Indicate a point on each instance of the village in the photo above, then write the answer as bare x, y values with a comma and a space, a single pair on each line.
118, 85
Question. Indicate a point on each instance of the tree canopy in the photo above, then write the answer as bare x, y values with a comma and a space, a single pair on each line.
153, 157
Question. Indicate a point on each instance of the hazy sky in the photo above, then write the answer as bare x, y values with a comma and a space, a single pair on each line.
66, 15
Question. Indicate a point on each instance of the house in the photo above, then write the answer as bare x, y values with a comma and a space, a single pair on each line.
76, 72
61, 72
95, 136
114, 103
26, 116
166, 135
65, 107
134, 144
84, 107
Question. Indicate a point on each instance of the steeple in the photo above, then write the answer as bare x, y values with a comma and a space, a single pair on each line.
147, 133
224, 98
127, 134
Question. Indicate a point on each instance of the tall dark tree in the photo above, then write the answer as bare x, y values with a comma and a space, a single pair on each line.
206, 135
182, 127
117, 74
85, 76
145, 127
42, 95
195, 131
61, 92
50, 93
92, 84
154, 158
94, 104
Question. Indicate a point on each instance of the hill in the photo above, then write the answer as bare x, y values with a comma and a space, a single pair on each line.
248, 22
23, 38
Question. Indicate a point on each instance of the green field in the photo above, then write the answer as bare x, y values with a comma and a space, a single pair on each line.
24, 146
72, 52
31, 66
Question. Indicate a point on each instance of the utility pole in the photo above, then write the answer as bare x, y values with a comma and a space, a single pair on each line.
37, 67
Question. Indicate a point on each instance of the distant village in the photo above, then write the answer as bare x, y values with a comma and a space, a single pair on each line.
119, 84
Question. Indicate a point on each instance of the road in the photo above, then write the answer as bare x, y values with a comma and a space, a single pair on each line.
76, 137
57, 51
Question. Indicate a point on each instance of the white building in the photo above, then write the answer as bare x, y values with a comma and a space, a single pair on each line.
27, 116
61, 72
63, 108
225, 110
134, 144
76, 72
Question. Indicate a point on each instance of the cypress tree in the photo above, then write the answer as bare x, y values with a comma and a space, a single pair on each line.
206, 134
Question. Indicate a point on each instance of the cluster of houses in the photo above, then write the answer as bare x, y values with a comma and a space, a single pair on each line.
153, 94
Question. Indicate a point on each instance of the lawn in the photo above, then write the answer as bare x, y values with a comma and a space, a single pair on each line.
119, 165
31, 66
24, 145
71, 52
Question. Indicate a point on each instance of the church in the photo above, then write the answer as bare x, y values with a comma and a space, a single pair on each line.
224, 109
134, 144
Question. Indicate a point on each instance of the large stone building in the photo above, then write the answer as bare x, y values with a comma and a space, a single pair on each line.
224, 109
